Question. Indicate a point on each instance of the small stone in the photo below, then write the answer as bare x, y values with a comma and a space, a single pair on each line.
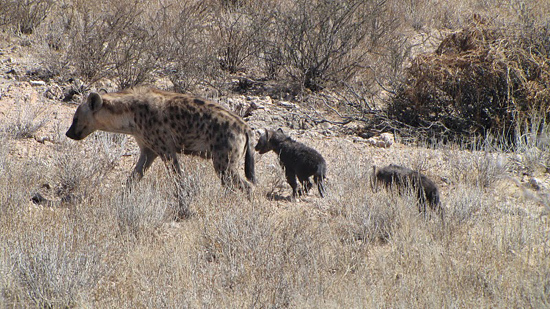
38, 83
385, 140
535, 183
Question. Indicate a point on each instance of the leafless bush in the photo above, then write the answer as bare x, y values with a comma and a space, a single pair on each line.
235, 33
372, 222
141, 209
114, 39
480, 169
24, 15
24, 175
189, 58
467, 204
54, 271
25, 127
287, 255
142, 45
325, 41
76, 176
532, 145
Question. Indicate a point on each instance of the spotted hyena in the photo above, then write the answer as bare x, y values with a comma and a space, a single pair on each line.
402, 178
165, 124
297, 159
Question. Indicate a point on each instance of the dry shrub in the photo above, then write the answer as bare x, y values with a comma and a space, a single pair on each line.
107, 39
27, 122
325, 41
54, 267
480, 80
189, 60
24, 15
533, 144
235, 32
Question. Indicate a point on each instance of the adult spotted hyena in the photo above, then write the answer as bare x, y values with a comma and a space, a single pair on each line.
297, 159
402, 178
165, 124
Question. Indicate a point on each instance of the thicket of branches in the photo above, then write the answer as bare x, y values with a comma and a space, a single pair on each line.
480, 80
483, 79
311, 44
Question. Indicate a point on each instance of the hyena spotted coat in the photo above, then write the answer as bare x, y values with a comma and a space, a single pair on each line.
165, 124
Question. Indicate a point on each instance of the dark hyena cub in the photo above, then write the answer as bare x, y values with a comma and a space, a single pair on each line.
297, 159
403, 178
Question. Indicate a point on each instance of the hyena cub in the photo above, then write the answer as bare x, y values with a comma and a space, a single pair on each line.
402, 178
297, 159
167, 123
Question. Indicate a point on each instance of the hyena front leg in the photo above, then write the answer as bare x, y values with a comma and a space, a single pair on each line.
146, 158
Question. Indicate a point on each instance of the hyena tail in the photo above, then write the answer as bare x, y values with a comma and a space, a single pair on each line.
319, 179
249, 161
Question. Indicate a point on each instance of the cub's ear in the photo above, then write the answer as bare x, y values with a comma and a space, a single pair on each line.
95, 101
280, 130
102, 91
259, 132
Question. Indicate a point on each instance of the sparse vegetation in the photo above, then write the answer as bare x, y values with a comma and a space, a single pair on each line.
322, 68
27, 120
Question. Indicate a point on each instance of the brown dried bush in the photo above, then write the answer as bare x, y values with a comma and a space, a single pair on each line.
481, 80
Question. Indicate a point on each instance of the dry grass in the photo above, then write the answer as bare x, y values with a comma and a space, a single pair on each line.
95, 243
355, 248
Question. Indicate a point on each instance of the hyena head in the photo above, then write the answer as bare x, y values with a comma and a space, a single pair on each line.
84, 122
269, 140
263, 145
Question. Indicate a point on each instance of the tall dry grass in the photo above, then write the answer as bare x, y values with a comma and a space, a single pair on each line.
99, 244
109, 247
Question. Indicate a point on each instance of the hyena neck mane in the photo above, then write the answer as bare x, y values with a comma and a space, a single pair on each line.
281, 141
116, 117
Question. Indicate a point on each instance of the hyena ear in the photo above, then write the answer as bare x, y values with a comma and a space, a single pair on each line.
259, 132
280, 130
102, 91
95, 101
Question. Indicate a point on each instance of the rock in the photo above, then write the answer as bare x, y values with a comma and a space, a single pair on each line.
37, 83
286, 104
38, 199
385, 140
535, 183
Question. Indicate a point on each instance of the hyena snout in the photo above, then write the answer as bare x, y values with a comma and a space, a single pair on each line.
77, 133
71, 133
263, 145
